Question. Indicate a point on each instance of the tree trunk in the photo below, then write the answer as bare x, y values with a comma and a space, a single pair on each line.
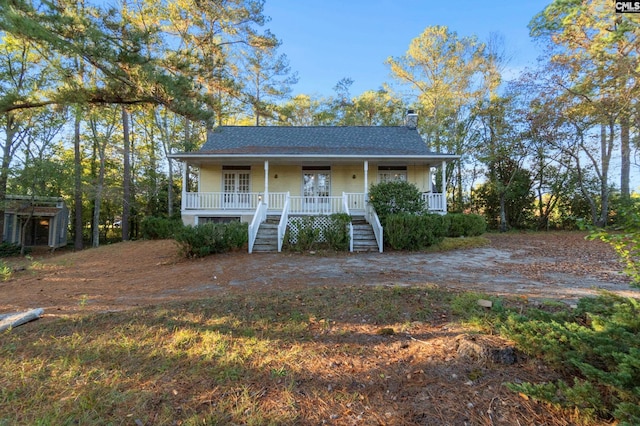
126, 184
97, 204
503, 214
10, 133
625, 155
23, 233
606, 147
170, 190
77, 178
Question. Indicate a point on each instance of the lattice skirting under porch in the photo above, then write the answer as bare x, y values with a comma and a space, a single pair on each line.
300, 223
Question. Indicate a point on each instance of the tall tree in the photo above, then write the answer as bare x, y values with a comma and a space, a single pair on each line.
601, 48
128, 74
445, 72
268, 78
126, 175
102, 125
20, 77
207, 33
578, 137
501, 147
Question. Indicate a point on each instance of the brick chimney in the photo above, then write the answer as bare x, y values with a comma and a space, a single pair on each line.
411, 120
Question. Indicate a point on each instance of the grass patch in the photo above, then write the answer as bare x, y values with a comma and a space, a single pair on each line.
459, 243
324, 354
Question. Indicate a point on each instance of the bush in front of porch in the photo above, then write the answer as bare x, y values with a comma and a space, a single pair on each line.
394, 197
210, 238
406, 231
318, 232
466, 225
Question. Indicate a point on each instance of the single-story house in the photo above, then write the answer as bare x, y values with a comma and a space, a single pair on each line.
46, 219
250, 173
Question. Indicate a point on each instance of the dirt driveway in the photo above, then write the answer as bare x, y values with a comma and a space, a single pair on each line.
560, 266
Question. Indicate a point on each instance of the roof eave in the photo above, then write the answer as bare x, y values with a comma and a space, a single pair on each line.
254, 157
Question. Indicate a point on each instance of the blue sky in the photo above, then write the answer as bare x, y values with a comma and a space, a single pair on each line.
327, 40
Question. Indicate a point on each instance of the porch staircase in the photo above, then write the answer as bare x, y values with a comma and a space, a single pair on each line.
267, 237
363, 237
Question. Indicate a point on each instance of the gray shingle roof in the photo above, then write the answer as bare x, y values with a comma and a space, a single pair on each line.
315, 140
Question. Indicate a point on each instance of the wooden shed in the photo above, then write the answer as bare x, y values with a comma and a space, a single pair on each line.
46, 220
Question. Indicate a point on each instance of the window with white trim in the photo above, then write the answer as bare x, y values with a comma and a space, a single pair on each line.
392, 173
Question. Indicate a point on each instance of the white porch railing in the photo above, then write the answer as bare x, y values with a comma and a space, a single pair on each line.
372, 217
284, 219
435, 201
316, 205
355, 201
259, 216
222, 200
277, 200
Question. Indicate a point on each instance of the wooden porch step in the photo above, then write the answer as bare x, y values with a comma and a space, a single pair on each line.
358, 220
272, 220
363, 237
267, 238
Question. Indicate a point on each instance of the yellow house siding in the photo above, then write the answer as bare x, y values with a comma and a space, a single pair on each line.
419, 175
211, 179
257, 178
289, 179
342, 179
373, 174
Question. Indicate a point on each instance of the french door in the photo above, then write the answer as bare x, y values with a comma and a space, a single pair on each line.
316, 190
236, 190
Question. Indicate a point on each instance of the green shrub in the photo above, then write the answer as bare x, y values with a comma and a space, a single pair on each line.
598, 345
316, 232
306, 235
9, 249
466, 225
624, 237
159, 228
5, 271
236, 235
415, 232
388, 198
211, 238
337, 233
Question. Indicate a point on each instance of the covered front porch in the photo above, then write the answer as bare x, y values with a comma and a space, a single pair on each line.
270, 194
230, 204
310, 190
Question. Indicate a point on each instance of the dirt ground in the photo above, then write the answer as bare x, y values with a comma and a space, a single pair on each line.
425, 381
559, 266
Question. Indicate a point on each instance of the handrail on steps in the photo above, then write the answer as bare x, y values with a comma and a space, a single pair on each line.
258, 217
345, 206
372, 218
284, 218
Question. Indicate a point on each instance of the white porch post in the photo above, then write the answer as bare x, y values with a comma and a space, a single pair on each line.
266, 182
184, 186
366, 178
444, 186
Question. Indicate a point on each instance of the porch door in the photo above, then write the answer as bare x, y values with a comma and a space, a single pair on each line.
236, 190
316, 190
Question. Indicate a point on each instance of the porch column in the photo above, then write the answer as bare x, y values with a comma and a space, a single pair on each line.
266, 182
444, 186
183, 202
366, 177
